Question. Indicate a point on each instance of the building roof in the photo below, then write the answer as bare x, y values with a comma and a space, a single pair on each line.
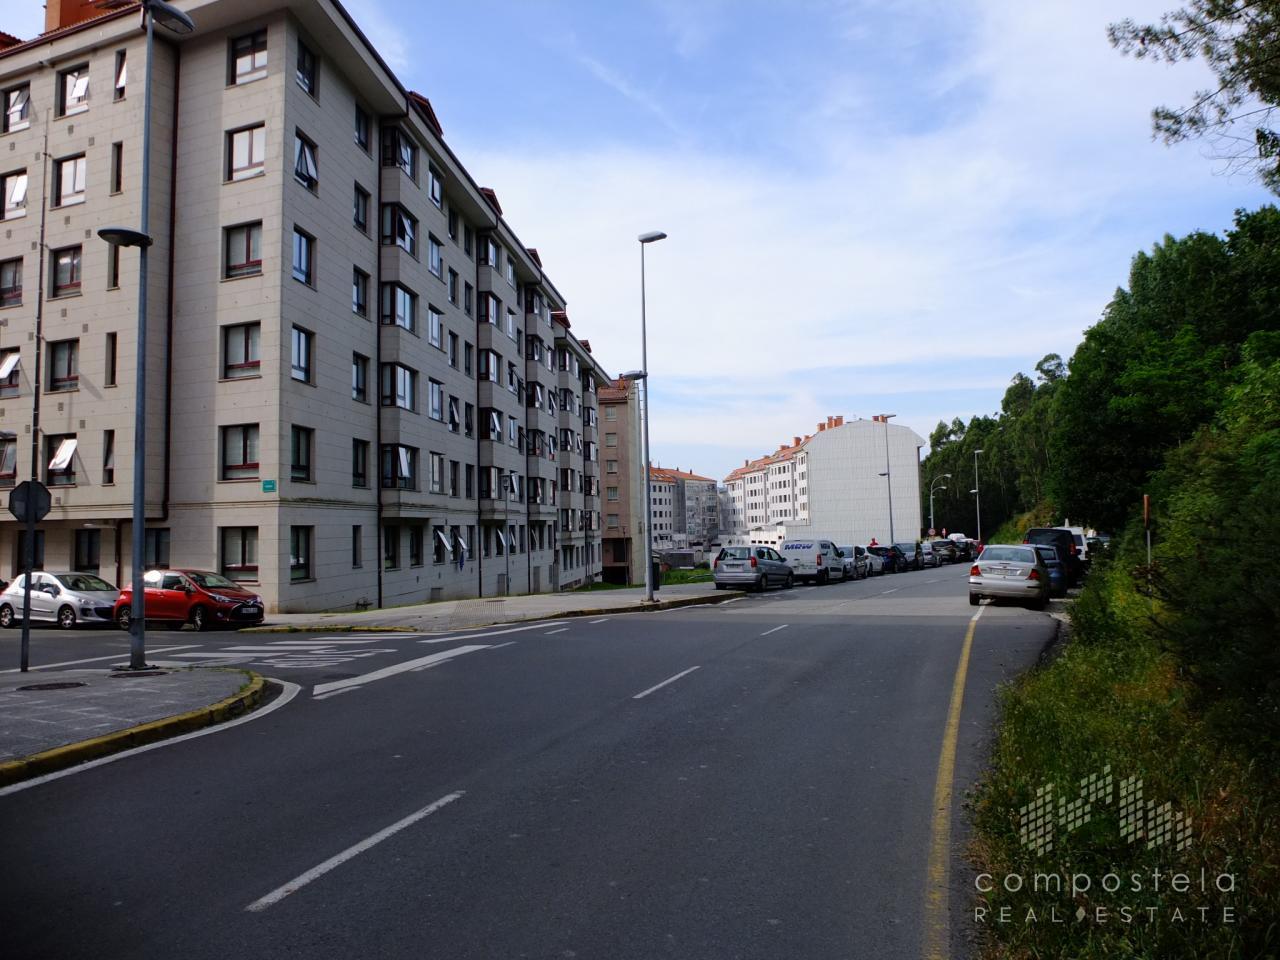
785, 451
667, 475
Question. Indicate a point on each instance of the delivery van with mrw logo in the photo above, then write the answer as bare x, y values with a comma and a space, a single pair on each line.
816, 561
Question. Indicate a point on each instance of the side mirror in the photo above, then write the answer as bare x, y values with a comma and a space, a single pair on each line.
51, 589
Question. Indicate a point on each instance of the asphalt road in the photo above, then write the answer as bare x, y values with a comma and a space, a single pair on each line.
752, 780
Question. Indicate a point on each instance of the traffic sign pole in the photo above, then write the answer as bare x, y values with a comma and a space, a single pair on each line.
29, 501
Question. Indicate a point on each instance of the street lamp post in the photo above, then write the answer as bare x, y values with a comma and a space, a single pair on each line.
646, 239
888, 476
932, 487
174, 20
977, 496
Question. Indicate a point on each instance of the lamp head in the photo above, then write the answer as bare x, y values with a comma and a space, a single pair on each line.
124, 237
170, 17
652, 236
633, 375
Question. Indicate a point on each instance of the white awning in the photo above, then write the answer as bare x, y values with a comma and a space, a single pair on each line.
81, 87
62, 459
444, 541
461, 544
511, 540
404, 462
9, 364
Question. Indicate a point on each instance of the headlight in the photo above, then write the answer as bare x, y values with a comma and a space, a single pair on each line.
221, 599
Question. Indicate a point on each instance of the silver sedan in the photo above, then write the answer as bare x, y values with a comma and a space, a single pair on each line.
1010, 572
751, 568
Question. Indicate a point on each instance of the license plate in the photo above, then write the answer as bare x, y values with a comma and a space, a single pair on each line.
733, 566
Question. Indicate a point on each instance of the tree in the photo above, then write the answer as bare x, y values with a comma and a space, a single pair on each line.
1240, 41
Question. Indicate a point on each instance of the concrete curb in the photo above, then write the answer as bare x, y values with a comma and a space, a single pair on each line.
71, 754
563, 615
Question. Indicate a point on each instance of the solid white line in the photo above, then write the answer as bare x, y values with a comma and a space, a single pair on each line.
509, 643
496, 633
334, 693
290, 691
724, 604
775, 629
547, 634
371, 638
328, 642
601, 620
122, 655
659, 686
977, 615
395, 668
315, 873
886, 592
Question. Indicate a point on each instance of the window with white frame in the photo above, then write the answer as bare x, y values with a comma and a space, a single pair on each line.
399, 150
14, 188
437, 473
436, 254
435, 185
73, 90
399, 467
399, 306
69, 180
399, 386
122, 74
17, 108
436, 408
60, 460
399, 228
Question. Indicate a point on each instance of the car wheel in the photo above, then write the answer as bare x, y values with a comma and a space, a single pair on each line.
790, 582
123, 618
824, 578
762, 584
719, 586
1040, 603
199, 618
973, 599
66, 617
6, 616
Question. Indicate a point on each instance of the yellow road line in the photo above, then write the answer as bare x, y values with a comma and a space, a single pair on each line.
937, 914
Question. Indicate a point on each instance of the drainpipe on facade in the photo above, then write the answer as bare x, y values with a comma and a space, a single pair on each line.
475, 422
168, 334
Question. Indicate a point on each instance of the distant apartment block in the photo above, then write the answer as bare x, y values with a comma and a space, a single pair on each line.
623, 508
363, 387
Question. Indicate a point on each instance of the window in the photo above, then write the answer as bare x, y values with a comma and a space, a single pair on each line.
490, 255
122, 75
359, 378
435, 186
398, 150
453, 286
246, 152
17, 108
73, 90
612, 522
435, 263
399, 386
512, 332
453, 477
611, 414
359, 463
611, 466
490, 309
304, 253
243, 250
399, 307
108, 456
362, 127
468, 294
66, 272
68, 181
241, 355
468, 419
357, 547
360, 212
14, 188
11, 282
300, 553
417, 544
302, 347
453, 224
469, 476
117, 167
491, 425
453, 350
248, 58
88, 544
8, 461
9, 360
300, 443
455, 418
390, 546
359, 292
240, 452
399, 467
239, 553
610, 439
109, 361
308, 73
436, 408
113, 266
60, 455
611, 493
64, 365
437, 473
399, 228
467, 352
511, 270
155, 547
466, 239
435, 326
305, 169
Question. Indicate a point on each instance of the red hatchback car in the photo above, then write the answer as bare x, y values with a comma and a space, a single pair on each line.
198, 597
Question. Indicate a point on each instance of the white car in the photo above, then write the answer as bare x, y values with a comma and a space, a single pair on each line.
875, 564
63, 598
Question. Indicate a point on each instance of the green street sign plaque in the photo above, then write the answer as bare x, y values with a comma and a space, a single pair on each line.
268, 486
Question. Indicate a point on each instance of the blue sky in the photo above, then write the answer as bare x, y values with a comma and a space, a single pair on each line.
888, 206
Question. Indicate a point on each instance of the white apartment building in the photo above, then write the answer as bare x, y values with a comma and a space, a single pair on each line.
362, 386
831, 484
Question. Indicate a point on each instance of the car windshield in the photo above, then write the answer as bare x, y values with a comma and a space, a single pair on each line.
735, 553
1013, 554
847, 551
84, 582
214, 580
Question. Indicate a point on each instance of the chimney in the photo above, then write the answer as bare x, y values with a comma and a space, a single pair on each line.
839, 421
63, 13
822, 427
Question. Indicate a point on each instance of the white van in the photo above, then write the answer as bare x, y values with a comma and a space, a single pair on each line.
818, 561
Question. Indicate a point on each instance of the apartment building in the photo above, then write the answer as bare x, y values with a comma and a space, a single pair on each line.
831, 483
362, 386
623, 482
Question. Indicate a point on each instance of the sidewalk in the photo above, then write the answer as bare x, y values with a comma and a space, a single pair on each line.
448, 615
84, 714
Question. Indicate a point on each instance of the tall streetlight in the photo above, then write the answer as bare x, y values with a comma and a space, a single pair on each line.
174, 20
645, 239
888, 477
934, 486
977, 496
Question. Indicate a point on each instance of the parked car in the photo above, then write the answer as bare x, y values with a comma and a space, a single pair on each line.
815, 560
198, 597
855, 562
1057, 571
965, 547
892, 559
911, 551
63, 598
946, 550
1081, 542
1066, 546
930, 557
875, 562
1006, 571
751, 567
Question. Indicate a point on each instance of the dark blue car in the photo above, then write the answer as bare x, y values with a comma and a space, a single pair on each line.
1057, 572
